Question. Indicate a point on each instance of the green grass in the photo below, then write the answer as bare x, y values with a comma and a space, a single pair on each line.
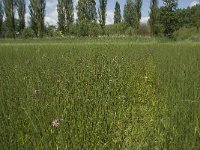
110, 94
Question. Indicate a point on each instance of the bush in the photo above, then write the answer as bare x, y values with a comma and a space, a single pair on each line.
94, 29
130, 31
8, 34
186, 33
50, 30
58, 34
144, 29
116, 29
83, 28
73, 29
194, 38
28, 33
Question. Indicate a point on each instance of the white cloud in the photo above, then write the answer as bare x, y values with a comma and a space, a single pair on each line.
109, 17
27, 18
76, 1
194, 3
52, 17
51, 4
75, 11
50, 21
144, 19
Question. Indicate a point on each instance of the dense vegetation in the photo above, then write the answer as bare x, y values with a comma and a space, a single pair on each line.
91, 21
88, 85
101, 94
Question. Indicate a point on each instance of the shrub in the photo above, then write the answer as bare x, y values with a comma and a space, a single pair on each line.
9, 34
28, 33
83, 28
144, 29
116, 29
130, 31
94, 29
186, 33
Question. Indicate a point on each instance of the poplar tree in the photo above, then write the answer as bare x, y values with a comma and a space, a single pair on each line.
138, 14
1, 17
92, 10
102, 12
9, 6
69, 11
197, 16
37, 12
61, 16
153, 16
21, 9
117, 13
129, 13
69, 14
86, 10
87, 16
81, 10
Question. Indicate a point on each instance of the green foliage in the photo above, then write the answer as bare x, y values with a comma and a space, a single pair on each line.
171, 20
8, 34
28, 33
65, 15
170, 5
69, 10
58, 34
184, 17
194, 38
102, 13
86, 10
144, 30
94, 29
186, 33
123, 29
1, 18
168, 17
117, 13
37, 13
137, 14
61, 16
163, 21
21, 9
87, 16
117, 29
33, 17
129, 17
88, 28
83, 28
9, 7
153, 21
50, 30
196, 16
130, 31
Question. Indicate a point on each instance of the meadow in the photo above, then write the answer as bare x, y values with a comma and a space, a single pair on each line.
99, 94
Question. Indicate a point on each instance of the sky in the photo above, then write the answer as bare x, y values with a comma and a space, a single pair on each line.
51, 10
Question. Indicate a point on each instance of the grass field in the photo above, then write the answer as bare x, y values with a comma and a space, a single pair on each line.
107, 94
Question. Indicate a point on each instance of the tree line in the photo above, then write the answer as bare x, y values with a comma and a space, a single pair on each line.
91, 21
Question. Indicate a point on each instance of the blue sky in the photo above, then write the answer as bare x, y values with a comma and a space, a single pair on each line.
51, 11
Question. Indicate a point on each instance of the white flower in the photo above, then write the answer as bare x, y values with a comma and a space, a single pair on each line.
56, 123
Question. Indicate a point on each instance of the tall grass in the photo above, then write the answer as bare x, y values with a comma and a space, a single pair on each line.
109, 95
